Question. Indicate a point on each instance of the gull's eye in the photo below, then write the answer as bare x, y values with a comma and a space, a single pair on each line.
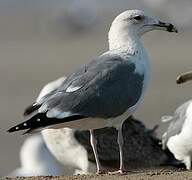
138, 18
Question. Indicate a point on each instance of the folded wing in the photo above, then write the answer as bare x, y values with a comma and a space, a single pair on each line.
104, 88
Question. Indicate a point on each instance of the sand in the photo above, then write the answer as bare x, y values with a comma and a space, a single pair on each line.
157, 174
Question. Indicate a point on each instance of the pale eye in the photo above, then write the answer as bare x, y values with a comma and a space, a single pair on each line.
138, 18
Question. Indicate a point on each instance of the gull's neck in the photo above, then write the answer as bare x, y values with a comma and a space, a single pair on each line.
125, 40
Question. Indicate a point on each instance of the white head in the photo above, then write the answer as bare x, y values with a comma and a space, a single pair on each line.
133, 24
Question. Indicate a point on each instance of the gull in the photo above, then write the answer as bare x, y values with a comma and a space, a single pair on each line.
67, 150
184, 77
72, 148
36, 160
178, 136
105, 91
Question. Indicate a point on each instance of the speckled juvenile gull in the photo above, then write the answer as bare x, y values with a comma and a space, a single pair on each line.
107, 90
178, 136
36, 160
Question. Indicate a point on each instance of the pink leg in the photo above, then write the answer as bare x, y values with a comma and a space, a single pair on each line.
94, 146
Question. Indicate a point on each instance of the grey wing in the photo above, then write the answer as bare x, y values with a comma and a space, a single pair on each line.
176, 123
104, 88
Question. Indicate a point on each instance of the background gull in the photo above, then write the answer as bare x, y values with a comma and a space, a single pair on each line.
178, 136
67, 150
36, 160
105, 91
184, 77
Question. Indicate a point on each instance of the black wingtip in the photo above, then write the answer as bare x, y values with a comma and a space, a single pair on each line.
29, 125
13, 129
19, 127
39, 121
8, 131
32, 108
180, 80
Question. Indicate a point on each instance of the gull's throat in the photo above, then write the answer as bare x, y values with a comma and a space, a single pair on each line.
123, 40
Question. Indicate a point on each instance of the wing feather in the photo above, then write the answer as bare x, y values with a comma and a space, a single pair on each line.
108, 86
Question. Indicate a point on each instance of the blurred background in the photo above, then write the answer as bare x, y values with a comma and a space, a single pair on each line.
41, 40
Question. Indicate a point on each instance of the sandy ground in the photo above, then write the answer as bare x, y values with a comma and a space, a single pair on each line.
157, 174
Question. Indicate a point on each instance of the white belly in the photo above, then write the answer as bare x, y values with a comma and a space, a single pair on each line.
97, 123
83, 124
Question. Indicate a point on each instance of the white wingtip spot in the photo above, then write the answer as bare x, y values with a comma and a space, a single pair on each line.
72, 89
17, 128
25, 124
38, 119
